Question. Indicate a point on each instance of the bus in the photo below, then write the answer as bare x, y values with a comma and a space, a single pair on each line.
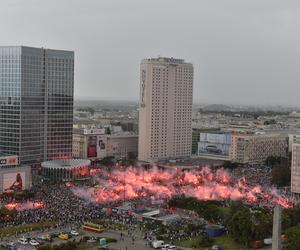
93, 227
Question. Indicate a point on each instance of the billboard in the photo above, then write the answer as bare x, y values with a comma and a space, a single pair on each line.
214, 144
92, 146
10, 160
13, 182
296, 139
101, 146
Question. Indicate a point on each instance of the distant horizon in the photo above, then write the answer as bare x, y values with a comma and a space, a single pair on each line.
94, 99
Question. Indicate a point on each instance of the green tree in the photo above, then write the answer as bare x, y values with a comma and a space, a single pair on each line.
262, 222
108, 161
204, 241
292, 241
131, 158
293, 214
281, 175
46, 247
5, 211
240, 226
108, 131
229, 164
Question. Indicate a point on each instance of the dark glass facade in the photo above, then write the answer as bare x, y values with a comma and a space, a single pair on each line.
36, 103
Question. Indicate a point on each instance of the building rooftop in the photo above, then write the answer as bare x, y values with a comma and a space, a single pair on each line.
65, 164
168, 60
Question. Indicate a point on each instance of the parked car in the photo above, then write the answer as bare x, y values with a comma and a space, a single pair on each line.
63, 236
216, 247
9, 246
92, 240
74, 233
23, 241
55, 234
33, 242
157, 243
165, 247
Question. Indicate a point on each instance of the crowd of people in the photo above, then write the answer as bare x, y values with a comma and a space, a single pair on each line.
255, 175
60, 206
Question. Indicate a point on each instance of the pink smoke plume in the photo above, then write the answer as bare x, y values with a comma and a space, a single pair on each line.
154, 183
25, 206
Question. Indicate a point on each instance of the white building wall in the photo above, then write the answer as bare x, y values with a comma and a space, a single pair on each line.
165, 115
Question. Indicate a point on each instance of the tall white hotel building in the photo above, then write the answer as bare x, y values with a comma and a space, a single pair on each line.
165, 109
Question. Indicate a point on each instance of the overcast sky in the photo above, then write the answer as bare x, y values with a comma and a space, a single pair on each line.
243, 51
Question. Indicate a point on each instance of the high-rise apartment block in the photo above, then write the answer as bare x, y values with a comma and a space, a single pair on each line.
295, 170
36, 103
165, 109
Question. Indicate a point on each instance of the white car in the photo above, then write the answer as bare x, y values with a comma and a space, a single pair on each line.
33, 242
91, 240
165, 247
171, 247
23, 241
74, 233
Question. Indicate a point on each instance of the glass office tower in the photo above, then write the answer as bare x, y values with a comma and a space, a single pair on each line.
36, 103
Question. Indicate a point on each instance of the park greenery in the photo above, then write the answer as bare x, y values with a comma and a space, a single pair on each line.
64, 246
245, 114
281, 175
243, 223
292, 241
281, 170
7, 231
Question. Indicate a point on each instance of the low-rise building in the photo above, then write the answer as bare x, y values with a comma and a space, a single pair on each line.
96, 144
256, 148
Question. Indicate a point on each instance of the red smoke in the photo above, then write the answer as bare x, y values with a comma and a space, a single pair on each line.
25, 206
154, 183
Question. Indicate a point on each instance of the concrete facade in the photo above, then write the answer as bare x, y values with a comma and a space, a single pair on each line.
295, 170
256, 148
165, 109
99, 145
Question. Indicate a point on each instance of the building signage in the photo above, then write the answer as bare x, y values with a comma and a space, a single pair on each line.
296, 139
95, 131
3, 161
8, 160
143, 88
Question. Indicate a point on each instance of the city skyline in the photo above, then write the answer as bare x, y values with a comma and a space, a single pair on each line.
243, 53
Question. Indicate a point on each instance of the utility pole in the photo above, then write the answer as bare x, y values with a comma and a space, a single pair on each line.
276, 239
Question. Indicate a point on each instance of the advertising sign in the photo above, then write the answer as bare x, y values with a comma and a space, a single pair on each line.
92, 146
101, 146
8, 160
214, 144
296, 139
95, 131
13, 182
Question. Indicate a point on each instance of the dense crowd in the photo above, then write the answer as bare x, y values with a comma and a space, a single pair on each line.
255, 175
61, 206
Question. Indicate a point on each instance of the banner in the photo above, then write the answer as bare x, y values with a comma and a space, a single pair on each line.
13, 182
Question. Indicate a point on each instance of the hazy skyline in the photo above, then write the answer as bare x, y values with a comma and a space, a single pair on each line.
243, 51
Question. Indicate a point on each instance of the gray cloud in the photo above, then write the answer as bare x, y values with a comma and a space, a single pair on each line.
244, 51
